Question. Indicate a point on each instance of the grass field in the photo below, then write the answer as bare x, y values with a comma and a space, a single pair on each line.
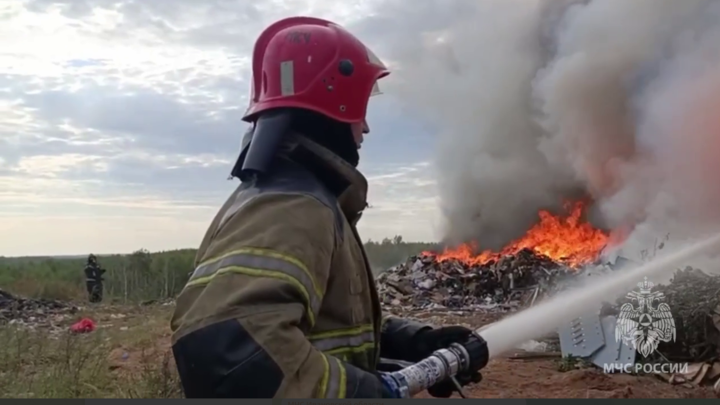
127, 356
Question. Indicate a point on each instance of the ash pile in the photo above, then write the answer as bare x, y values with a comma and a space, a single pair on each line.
33, 313
510, 283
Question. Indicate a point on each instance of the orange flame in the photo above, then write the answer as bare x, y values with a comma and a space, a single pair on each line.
568, 240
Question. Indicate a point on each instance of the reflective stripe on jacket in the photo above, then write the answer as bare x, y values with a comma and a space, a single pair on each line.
282, 302
281, 269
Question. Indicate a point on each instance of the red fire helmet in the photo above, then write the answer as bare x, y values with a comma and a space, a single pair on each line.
310, 63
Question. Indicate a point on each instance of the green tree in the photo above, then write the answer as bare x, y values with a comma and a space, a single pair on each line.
143, 276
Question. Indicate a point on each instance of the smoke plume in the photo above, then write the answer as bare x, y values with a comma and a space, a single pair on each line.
540, 101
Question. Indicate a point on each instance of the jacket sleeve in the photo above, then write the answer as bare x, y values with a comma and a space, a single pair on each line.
397, 335
241, 322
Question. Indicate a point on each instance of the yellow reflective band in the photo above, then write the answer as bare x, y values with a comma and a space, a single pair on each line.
356, 330
333, 343
322, 389
352, 350
269, 274
259, 262
258, 258
342, 341
338, 379
343, 380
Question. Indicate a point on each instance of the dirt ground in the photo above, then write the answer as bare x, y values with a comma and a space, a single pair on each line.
129, 356
502, 378
505, 378
509, 378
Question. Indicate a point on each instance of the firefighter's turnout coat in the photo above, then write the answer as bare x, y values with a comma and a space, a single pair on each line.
282, 302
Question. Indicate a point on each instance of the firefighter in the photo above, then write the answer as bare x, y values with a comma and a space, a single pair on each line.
282, 302
94, 279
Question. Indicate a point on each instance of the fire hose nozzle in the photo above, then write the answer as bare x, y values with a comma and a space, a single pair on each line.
469, 356
478, 353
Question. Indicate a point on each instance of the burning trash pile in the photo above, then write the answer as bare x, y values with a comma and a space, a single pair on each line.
554, 250
555, 254
426, 283
32, 313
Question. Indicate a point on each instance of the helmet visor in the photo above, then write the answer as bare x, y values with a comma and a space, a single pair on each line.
374, 60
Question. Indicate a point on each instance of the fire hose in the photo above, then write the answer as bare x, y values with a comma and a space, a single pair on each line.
443, 364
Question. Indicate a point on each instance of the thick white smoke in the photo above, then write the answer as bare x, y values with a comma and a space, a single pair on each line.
544, 100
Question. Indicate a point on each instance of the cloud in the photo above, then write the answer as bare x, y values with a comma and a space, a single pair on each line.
403, 200
119, 122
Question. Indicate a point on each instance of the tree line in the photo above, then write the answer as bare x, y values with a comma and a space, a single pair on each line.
145, 276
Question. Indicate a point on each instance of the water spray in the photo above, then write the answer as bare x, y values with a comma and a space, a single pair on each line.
483, 345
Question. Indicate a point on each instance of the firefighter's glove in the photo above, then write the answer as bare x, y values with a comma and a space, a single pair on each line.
425, 342
445, 388
429, 340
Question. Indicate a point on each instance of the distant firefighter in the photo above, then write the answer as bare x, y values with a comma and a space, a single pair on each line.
93, 279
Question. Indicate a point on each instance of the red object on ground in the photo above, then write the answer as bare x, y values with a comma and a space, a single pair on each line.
84, 325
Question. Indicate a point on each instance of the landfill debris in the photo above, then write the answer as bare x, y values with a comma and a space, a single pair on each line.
592, 339
33, 313
693, 301
431, 290
85, 325
534, 346
530, 356
161, 302
508, 284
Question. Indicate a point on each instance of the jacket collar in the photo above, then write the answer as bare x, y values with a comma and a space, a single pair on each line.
352, 194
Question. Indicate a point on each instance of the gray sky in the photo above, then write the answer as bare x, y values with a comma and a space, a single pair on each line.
119, 122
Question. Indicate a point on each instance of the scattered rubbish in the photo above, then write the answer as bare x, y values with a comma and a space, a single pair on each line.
34, 313
534, 346
526, 356
614, 351
84, 325
162, 302
582, 337
692, 299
